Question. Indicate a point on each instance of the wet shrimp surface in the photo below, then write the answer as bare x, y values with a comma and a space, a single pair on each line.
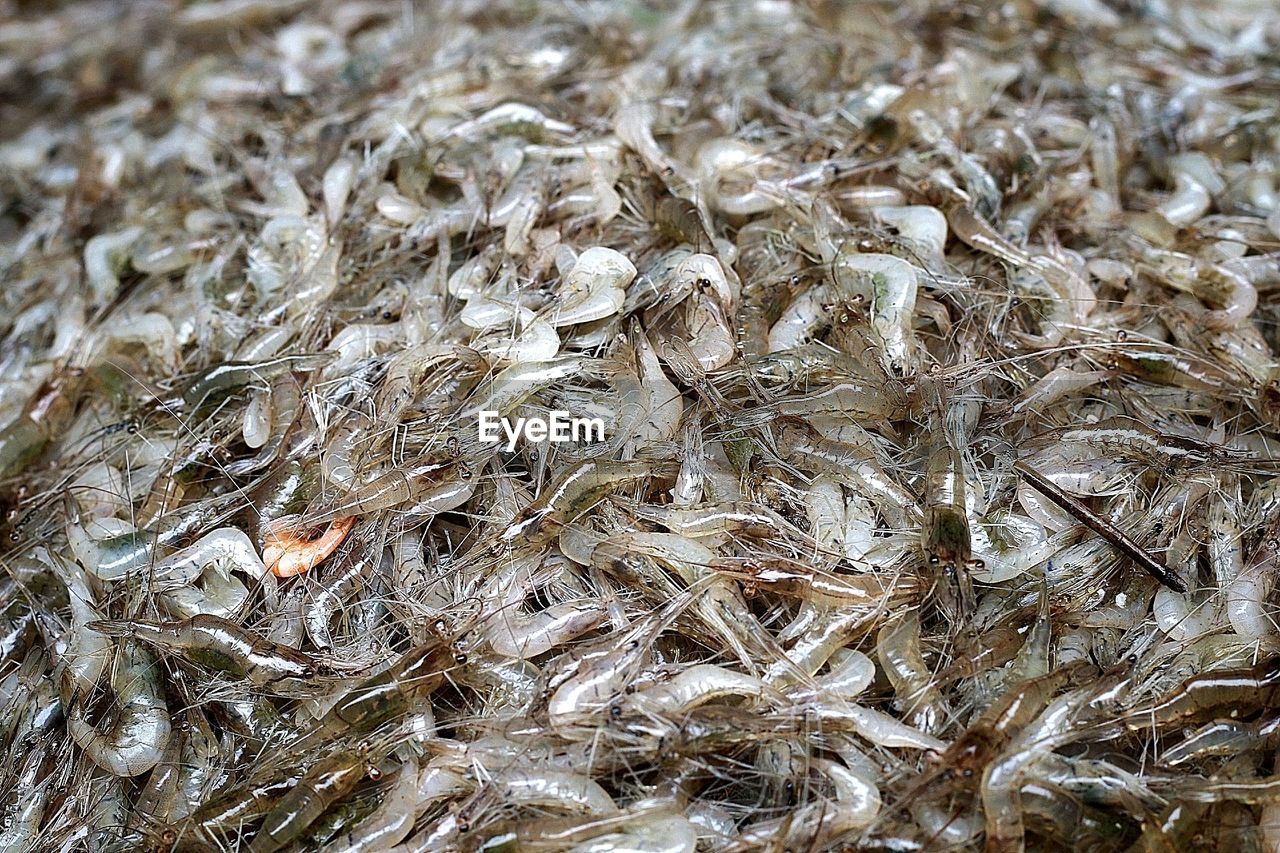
639, 427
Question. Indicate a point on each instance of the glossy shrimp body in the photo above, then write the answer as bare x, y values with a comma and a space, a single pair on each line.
390, 694
1202, 695
573, 493
323, 785
219, 644
139, 732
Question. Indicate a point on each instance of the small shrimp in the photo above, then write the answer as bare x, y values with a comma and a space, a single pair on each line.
714, 519
601, 673
392, 693
802, 445
1224, 738
945, 531
137, 737
802, 319
391, 821
231, 811
105, 256
854, 399
572, 494
30, 796
286, 553
695, 686
224, 378
1182, 370
218, 644
1206, 693
324, 784
889, 285
898, 647
855, 804
1102, 527
323, 602
83, 652
225, 545
555, 789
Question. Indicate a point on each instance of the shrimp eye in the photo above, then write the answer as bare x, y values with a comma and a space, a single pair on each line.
373, 772
615, 711
387, 315
459, 658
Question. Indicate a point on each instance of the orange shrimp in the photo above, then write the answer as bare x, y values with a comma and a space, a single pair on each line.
287, 552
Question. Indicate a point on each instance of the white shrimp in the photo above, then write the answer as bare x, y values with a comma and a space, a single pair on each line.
136, 739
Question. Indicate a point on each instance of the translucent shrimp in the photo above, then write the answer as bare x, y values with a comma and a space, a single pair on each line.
1068, 287
226, 545
325, 601
945, 533
711, 338
391, 821
31, 796
595, 288
1102, 527
390, 694
1001, 780
139, 732
802, 319
1188, 202
601, 674
695, 686
889, 286
218, 644
105, 257
854, 805
570, 495
514, 633
651, 831
1245, 591
801, 445
721, 604
324, 784
83, 653
1203, 695
898, 647
1224, 737
555, 789
922, 228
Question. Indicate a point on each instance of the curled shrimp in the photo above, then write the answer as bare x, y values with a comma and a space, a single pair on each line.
139, 732
287, 553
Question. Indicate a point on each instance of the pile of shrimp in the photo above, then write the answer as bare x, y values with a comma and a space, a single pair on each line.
938, 496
